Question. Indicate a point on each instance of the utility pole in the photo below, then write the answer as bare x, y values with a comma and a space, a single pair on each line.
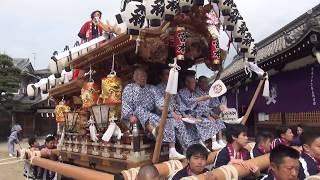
34, 59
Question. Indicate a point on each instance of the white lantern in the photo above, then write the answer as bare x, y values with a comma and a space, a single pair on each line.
52, 81
154, 11
246, 42
32, 91
230, 21
252, 53
133, 17
44, 84
225, 6
239, 30
185, 5
170, 9
66, 76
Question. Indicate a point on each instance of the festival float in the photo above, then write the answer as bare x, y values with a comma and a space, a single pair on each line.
87, 82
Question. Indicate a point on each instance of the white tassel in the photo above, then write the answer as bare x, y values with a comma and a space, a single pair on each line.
61, 139
117, 132
266, 90
172, 84
93, 132
109, 132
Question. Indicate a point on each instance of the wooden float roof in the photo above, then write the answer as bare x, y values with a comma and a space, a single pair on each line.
68, 88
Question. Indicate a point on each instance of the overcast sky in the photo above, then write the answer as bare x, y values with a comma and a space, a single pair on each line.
43, 26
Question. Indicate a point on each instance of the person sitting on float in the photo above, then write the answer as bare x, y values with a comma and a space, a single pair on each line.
284, 136
284, 164
185, 133
139, 105
310, 156
235, 152
210, 109
189, 104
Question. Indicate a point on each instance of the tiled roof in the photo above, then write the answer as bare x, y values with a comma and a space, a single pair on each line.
280, 41
23, 64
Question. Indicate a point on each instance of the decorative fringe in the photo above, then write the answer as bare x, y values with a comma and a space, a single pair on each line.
266, 89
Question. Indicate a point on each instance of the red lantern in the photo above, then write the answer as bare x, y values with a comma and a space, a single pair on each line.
215, 51
180, 38
89, 94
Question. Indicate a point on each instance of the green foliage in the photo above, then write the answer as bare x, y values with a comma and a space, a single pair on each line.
9, 75
9, 81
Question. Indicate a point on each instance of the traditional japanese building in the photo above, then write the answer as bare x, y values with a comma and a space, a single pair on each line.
288, 55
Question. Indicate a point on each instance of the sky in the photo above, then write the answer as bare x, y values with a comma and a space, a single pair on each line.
37, 28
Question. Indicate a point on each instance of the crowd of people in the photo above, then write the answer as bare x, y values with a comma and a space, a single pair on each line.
291, 157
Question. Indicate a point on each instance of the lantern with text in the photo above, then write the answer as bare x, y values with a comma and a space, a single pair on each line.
154, 11
230, 21
185, 5
215, 53
252, 53
225, 6
239, 30
180, 38
246, 42
44, 85
52, 81
133, 17
170, 9
32, 91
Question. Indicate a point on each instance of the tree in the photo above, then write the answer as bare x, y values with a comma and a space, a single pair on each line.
9, 82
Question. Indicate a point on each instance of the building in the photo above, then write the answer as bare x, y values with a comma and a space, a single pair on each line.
294, 73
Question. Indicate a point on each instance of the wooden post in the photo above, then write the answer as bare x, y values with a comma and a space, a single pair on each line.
253, 100
163, 120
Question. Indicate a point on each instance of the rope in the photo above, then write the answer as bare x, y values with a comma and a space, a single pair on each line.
174, 166
314, 177
230, 172
113, 72
132, 173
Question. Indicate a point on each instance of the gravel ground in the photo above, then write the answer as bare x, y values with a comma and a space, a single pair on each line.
11, 168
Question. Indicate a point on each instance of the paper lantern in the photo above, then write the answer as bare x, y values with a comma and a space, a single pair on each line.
239, 30
170, 9
32, 91
66, 76
215, 52
133, 17
111, 90
154, 11
246, 42
89, 94
52, 81
59, 111
180, 38
185, 5
230, 21
44, 85
252, 53
225, 6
